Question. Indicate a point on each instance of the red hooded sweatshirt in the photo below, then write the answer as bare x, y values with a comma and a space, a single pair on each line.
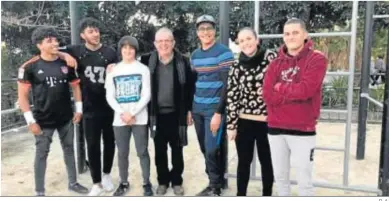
296, 104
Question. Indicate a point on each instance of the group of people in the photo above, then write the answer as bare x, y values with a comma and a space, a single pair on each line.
263, 97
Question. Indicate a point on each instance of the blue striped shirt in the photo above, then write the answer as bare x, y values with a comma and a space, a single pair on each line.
212, 67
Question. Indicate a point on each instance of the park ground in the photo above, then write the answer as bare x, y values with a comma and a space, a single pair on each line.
17, 157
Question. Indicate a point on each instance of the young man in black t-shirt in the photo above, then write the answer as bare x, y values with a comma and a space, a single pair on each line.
92, 59
49, 77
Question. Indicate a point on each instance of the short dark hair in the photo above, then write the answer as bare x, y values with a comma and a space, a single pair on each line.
249, 29
297, 21
380, 56
40, 33
89, 22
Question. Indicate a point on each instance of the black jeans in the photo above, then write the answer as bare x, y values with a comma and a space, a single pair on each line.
167, 127
250, 133
94, 127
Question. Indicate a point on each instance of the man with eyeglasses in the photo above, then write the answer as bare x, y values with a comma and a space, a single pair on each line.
212, 63
169, 109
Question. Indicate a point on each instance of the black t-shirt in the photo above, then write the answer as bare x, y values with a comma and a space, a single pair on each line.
91, 68
50, 89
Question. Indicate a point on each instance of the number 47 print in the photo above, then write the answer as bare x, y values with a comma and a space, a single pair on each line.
90, 72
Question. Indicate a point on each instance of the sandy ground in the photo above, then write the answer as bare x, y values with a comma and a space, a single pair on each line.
17, 178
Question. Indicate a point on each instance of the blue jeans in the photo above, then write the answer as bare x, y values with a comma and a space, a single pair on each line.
211, 146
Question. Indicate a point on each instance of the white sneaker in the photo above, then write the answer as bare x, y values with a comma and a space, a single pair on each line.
107, 183
96, 190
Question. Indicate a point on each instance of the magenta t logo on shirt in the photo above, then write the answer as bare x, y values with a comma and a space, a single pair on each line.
64, 69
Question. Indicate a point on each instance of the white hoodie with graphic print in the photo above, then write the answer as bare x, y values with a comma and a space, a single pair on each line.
128, 90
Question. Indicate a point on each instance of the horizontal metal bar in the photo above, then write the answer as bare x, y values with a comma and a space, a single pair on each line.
338, 73
13, 110
13, 130
380, 16
365, 189
330, 149
328, 34
334, 111
366, 95
9, 111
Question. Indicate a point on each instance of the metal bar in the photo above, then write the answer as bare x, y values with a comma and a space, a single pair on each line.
365, 189
75, 16
330, 149
256, 28
334, 111
224, 19
9, 111
326, 34
338, 73
380, 16
350, 91
366, 97
12, 110
365, 79
383, 177
13, 130
256, 16
74, 19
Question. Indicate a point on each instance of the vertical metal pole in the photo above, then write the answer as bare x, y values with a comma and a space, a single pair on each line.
224, 21
256, 28
353, 41
79, 132
365, 79
74, 19
383, 178
256, 16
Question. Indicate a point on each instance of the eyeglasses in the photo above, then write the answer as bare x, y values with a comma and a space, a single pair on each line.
163, 41
204, 29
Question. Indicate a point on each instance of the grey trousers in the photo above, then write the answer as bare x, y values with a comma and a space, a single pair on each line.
122, 137
295, 151
42, 145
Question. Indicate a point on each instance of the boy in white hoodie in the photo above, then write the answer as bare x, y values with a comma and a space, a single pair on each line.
128, 93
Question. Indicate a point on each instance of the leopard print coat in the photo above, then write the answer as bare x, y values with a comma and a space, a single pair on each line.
244, 90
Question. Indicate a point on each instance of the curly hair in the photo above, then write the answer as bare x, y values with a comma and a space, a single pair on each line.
89, 22
40, 33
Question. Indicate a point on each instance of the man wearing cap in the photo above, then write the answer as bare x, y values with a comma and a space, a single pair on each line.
211, 62
171, 100
128, 93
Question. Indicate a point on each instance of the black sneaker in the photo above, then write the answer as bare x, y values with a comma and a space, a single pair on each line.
206, 192
122, 189
162, 189
148, 190
216, 192
78, 188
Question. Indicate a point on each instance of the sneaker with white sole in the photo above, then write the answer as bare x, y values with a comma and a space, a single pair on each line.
96, 190
107, 183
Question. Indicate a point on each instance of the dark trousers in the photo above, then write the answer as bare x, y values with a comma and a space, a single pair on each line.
167, 127
212, 148
95, 127
250, 133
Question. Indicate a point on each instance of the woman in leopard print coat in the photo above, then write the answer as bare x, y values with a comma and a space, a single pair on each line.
246, 110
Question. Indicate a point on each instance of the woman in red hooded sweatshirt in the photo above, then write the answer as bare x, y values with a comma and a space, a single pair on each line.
292, 93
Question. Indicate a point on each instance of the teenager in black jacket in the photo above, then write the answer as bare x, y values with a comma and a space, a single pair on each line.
246, 110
